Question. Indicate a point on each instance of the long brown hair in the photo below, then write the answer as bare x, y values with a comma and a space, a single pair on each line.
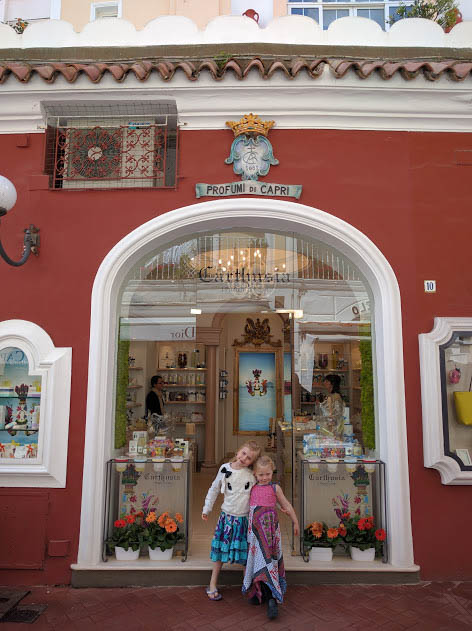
252, 446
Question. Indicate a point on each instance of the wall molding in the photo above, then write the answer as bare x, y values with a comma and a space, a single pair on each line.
325, 103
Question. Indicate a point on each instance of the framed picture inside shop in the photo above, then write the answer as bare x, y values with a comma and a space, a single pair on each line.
257, 396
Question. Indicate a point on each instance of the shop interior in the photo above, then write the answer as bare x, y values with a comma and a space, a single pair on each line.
243, 330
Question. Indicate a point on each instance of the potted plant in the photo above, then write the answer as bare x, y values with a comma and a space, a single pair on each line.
127, 537
161, 534
361, 537
320, 540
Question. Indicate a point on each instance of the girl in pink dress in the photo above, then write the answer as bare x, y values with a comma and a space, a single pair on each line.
264, 578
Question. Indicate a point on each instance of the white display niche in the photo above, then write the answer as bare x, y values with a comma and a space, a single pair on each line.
51, 368
446, 369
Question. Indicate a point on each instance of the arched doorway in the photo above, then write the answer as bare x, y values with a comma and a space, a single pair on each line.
247, 214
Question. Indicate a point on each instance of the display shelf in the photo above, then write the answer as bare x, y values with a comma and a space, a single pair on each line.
135, 368
185, 385
19, 429
182, 369
184, 403
12, 395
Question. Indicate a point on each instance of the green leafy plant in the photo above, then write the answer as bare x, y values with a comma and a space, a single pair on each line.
128, 532
367, 394
19, 25
122, 379
319, 535
360, 532
221, 59
163, 531
444, 12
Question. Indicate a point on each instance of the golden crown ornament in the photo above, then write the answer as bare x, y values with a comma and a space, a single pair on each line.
250, 124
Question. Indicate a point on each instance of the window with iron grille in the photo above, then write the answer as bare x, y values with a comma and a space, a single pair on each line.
111, 145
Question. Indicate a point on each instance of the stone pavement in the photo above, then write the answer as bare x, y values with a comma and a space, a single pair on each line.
422, 607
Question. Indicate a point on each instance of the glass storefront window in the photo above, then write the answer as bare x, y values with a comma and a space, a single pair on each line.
246, 335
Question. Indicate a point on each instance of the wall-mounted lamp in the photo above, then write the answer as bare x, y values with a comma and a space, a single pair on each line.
31, 240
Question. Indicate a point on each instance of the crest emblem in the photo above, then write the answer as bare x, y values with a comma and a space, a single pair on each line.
251, 152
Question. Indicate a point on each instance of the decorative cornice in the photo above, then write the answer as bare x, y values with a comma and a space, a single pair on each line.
382, 63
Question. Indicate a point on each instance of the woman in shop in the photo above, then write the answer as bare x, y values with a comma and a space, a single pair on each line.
332, 405
155, 399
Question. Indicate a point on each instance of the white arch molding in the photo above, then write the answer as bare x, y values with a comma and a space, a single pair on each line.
247, 213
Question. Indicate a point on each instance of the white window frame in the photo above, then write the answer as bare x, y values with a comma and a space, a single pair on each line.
53, 365
433, 434
351, 5
99, 5
55, 10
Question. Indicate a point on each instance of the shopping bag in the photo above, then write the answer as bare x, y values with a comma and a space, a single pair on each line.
463, 404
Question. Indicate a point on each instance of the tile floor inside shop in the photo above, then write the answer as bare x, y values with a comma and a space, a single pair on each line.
201, 533
422, 607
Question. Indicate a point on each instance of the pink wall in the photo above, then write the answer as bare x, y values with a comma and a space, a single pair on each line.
403, 190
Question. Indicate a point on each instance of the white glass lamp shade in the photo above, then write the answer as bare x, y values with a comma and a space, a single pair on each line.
7, 194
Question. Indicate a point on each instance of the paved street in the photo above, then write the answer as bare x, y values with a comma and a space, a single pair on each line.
427, 606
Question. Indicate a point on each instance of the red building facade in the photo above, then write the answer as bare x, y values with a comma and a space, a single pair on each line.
406, 190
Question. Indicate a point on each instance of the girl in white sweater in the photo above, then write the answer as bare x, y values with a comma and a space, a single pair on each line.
235, 480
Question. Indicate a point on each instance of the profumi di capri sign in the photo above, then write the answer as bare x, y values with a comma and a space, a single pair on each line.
248, 188
251, 156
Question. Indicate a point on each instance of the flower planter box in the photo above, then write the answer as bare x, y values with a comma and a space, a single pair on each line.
362, 555
321, 554
160, 555
126, 555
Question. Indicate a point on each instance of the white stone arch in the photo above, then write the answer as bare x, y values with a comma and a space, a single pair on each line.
247, 213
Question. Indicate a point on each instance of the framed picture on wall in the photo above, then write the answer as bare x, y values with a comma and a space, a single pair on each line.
257, 390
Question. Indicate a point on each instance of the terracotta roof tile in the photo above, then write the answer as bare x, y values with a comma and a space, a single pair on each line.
240, 66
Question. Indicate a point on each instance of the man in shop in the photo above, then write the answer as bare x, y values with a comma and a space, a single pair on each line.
155, 399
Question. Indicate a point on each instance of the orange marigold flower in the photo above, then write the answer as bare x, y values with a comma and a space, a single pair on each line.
332, 533
179, 518
151, 518
130, 519
170, 526
317, 534
380, 534
317, 525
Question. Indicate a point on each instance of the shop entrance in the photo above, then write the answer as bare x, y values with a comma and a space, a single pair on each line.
245, 335
242, 326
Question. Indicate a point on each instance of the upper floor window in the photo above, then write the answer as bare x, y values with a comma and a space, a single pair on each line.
326, 11
105, 10
111, 145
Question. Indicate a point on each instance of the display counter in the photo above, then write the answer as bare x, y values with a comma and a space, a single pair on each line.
139, 486
332, 488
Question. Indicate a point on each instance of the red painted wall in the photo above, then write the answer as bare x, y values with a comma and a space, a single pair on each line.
405, 191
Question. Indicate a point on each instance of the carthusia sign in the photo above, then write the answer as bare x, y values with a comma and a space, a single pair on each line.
242, 276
